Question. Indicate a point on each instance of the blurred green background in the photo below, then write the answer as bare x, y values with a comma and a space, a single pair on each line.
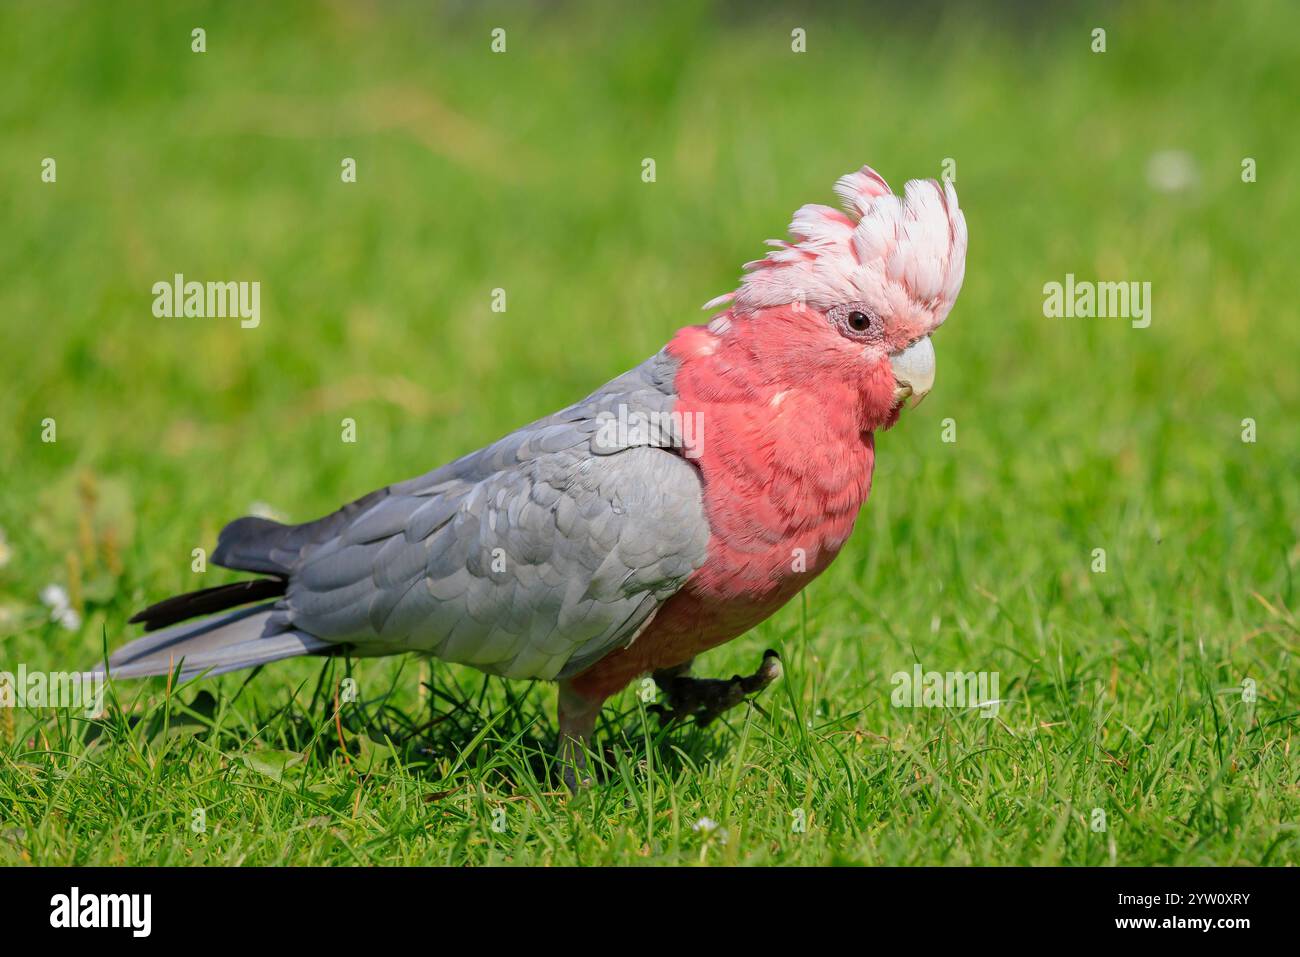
522, 171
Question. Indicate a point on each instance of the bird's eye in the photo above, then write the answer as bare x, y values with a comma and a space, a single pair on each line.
857, 321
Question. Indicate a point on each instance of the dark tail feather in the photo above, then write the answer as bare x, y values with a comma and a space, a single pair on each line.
208, 600
253, 544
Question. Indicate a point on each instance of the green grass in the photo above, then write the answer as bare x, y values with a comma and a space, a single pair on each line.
1122, 691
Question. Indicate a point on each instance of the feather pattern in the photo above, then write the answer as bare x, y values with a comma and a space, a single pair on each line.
530, 558
905, 256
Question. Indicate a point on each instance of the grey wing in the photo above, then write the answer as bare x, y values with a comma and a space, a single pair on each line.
531, 558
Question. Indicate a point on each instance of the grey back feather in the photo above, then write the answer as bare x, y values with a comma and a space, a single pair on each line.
531, 558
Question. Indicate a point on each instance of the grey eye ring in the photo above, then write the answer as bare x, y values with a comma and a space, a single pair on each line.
857, 320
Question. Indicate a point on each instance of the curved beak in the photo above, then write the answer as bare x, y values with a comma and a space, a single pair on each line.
913, 370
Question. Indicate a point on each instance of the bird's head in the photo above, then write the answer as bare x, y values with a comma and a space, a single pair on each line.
854, 297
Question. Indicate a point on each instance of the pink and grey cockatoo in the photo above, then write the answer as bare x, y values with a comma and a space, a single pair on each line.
671, 510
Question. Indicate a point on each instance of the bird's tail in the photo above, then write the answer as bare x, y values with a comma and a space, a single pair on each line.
229, 642
244, 637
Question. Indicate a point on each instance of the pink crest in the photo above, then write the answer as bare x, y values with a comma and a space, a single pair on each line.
904, 256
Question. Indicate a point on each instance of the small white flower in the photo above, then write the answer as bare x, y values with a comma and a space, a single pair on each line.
1172, 171
709, 828
704, 824
55, 598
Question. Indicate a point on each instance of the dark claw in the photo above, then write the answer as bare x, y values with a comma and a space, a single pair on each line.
706, 698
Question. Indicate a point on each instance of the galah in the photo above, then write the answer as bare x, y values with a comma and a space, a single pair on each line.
671, 510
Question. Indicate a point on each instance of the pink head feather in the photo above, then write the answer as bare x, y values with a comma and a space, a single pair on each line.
903, 256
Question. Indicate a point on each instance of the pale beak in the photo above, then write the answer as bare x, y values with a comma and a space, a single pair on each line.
913, 370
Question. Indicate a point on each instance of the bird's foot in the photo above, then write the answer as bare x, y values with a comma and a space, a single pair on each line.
572, 759
706, 698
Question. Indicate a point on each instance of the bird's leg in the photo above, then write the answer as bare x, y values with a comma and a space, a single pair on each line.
577, 719
706, 698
